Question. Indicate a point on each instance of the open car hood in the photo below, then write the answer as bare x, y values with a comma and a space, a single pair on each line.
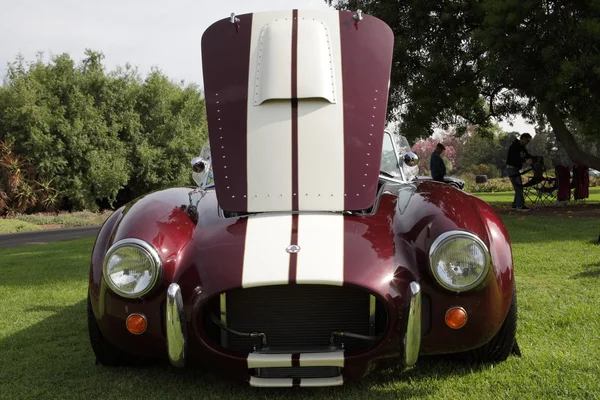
296, 103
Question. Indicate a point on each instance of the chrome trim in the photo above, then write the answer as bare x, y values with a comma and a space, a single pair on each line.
442, 239
223, 312
293, 249
411, 159
372, 304
412, 336
175, 326
198, 165
153, 256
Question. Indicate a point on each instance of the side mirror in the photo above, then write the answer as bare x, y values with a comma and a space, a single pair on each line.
411, 159
198, 164
201, 171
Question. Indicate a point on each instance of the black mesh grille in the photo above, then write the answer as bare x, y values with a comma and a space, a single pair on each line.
298, 316
299, 372
425, 314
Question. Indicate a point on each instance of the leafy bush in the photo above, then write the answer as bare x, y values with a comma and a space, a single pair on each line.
99, 134
484, 169
66, 219
492, 185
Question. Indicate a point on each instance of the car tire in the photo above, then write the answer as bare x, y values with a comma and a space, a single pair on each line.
107, 354
504, 343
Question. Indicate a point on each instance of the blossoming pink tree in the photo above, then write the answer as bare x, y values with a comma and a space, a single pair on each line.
425, 147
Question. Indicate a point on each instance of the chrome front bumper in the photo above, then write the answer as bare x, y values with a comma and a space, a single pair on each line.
412, 336
175, 326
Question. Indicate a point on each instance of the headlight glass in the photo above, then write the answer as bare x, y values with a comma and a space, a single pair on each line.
459, 260
132, 268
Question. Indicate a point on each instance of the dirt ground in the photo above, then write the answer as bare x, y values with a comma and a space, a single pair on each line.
572, 210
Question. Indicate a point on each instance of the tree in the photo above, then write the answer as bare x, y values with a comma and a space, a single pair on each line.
97, 134
423, 148
467, 61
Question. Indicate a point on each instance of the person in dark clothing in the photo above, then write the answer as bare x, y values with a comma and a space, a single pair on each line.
436, 165
517, 156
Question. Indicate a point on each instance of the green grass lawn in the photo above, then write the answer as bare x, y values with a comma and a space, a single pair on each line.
45, 353
506, 198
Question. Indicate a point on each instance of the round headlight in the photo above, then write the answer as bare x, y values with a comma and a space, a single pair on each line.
459, 260
132, 268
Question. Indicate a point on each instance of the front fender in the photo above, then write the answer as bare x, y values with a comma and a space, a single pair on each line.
162, 219
430, 209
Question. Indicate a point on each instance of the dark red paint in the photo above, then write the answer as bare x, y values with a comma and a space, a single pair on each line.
366, 66
293, 256
226, 93
295, 110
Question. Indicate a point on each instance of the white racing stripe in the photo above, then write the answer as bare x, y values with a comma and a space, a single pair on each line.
322, 382
256, 360
271, 382
304, 382
265, 260
269, 138
320, 123
321, 256
328, 359
332, 359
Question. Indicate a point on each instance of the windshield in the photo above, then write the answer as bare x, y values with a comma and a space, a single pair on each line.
389, 158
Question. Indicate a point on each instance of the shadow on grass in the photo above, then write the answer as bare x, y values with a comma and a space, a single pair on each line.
593, 271
53, 359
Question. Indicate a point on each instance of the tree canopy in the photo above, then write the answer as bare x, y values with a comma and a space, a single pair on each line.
468, 61
97, 134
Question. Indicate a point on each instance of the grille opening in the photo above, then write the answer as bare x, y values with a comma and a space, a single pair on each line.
297, 372
296, 317
425, 314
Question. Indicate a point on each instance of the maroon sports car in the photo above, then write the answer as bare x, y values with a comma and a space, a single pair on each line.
307, 251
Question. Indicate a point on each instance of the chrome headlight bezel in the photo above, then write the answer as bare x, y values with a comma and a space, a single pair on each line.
446, 237
149, 251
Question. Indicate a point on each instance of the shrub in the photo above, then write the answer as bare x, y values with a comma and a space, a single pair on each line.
485, 169
21, 189
491, 186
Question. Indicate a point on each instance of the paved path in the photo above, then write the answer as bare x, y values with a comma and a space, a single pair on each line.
46, 236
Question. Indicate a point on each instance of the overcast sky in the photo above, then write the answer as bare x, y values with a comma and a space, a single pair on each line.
144, 33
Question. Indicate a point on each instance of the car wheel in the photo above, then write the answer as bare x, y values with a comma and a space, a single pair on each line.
106, 353
504, 343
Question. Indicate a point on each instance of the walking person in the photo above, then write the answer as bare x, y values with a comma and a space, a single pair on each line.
517, 156
436, 164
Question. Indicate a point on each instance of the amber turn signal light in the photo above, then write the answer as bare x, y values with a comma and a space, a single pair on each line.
456, 317
136, 324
